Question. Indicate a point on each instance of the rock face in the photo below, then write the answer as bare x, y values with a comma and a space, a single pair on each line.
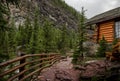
100, 71
50, 9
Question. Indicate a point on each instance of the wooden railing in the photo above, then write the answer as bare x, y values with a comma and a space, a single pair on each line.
24, 68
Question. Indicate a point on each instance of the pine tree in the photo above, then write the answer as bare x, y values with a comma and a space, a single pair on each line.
79, 51
72, 39
34, 40
40, 39
102, 47
12, 39
63, 42
21, 35
56, 39
48, 38
28, 30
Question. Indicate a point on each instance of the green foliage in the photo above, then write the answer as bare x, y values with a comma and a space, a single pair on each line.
79, 51
72, 39
64, 40
4, 11
94, 79
4, 46
34, 40
115, 41
5, 31
102, 47
35, 36
48, 38
68, 8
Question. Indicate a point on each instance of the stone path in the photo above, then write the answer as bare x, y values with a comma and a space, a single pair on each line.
61, 71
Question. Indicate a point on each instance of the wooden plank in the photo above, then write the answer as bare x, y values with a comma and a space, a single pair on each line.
110, 31
107, 26
107, 23
106, 29
107, 38
106, 35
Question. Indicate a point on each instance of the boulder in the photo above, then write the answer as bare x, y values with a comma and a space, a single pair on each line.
63, 76
79, 67
41, 78
99, 70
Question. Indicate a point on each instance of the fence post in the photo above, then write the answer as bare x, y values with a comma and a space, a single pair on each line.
22, 68
49, 59
41, 61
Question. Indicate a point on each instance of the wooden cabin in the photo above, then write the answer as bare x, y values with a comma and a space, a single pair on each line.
106, 24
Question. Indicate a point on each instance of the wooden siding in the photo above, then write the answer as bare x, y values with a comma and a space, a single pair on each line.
106, 29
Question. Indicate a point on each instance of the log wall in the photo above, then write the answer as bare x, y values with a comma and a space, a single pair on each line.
106, 29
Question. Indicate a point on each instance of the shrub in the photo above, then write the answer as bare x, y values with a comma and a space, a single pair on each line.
102, 47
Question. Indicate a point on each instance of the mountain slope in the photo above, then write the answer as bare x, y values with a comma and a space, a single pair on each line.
56, 11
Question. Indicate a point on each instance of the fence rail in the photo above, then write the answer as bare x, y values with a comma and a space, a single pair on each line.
25, 67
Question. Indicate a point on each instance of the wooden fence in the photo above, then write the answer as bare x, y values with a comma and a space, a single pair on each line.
24, 68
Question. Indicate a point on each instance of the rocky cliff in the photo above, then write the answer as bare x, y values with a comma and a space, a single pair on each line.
56, 11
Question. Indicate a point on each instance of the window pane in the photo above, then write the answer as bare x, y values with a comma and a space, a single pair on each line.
116, 23
117, 29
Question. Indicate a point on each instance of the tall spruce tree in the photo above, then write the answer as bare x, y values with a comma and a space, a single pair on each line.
28, 29
64, 40
34, 40
56, 39
48, 38
79, 51
4, 27
3, 32
12, 39
72, 39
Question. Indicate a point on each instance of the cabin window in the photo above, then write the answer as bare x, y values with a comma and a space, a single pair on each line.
117, 29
